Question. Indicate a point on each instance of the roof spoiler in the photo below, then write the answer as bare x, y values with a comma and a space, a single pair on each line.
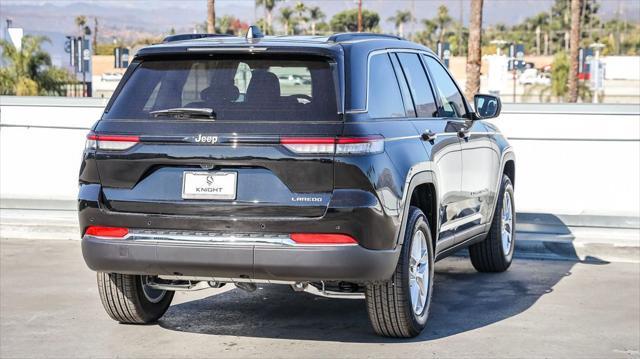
182, 37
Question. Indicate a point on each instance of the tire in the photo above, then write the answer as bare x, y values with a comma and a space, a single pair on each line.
126, 299
389, 304
495, 253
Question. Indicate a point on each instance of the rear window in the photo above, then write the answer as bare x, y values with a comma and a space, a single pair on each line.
245, 89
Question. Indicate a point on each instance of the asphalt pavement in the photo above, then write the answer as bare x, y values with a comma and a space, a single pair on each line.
49, 307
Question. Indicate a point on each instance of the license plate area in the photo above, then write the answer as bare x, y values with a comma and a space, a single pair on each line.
209, 185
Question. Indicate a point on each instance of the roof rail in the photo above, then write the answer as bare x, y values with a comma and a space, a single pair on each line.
181, 37
349, 36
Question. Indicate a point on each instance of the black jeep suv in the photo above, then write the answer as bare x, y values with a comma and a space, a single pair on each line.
344, 166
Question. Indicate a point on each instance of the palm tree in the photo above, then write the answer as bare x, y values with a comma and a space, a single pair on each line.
300, 9
269, 5
225, 24
573, 54
425, 37
315, 14
286, 15
211, 16
475, 52
28, 71
443, 20
401, 18
81, 23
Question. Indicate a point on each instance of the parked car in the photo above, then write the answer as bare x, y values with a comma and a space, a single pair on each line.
294, 80
192, 179
534, 77
111, 76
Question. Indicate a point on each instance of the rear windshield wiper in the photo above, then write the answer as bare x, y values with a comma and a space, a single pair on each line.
185, 112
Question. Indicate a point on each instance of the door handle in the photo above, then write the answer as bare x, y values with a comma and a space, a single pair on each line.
428, 135
463, 133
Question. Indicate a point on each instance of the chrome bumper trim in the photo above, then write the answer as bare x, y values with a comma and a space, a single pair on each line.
213, 239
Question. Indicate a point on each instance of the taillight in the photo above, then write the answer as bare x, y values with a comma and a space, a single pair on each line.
109, 232
359, 145
110, 142
330, 145
322, 238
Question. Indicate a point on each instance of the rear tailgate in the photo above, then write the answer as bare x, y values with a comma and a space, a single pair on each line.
242, 163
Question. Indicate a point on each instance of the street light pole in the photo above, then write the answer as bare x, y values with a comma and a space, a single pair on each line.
595, 71
359, 15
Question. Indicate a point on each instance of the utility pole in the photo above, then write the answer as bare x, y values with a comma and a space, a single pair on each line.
359, 15
538, 40
81, 63
597, 77
413, 17
95, 35
460, 31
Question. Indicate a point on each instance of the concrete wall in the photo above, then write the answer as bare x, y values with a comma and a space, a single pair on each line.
571, 159
575, 159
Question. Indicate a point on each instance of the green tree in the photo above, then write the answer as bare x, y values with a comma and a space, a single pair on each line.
225, 24
29, 71
559, 88
301, 9
554, 26
268, 5
425, 36
105, 49
81, 23
229, 24
442, 28
286, 18
323, 27
560, 75
443, 20
315, 15
262, 24
348, 21
399, 19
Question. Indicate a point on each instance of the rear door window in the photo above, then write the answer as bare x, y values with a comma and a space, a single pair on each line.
251, 89
406, 94
418, 85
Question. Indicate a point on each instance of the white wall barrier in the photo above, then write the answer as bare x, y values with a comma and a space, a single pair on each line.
578, 159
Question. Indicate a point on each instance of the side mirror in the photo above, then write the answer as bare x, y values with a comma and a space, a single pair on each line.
487, 106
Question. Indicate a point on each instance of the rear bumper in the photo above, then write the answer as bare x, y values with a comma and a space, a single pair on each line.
247, 260
356, 213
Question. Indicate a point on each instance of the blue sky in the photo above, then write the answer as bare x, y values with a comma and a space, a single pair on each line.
41, 15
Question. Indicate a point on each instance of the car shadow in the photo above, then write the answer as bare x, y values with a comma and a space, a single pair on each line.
463, 300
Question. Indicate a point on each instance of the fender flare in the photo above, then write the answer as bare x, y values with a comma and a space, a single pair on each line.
423, 177
507, 155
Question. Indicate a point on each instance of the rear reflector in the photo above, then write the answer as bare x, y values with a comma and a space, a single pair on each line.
111, 142
330, 145
110, 232
322, 238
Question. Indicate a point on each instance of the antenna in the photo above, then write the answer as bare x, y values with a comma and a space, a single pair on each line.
253, 32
